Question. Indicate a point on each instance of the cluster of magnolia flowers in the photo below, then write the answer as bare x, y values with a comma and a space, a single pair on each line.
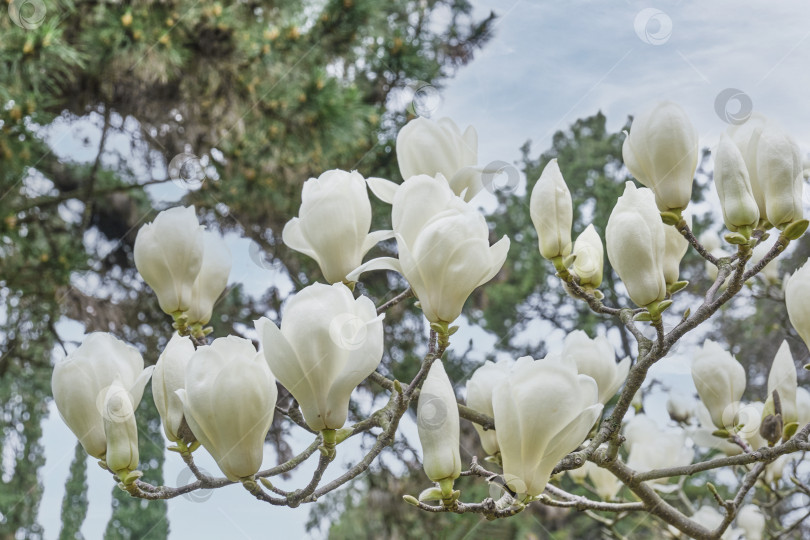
223, 395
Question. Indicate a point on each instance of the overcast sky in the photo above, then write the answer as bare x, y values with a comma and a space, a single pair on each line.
548, 64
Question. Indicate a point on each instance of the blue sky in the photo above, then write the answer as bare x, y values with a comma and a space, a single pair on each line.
548, 64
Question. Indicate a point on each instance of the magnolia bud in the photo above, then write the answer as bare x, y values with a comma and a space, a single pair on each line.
229, 400
679, 407
780, 173
720, 382
329, 342
589, 261
438, 424
782, 378
543, 410
211, 280
797, 291
676, 247
636, 244
662, 153
120, 429
734, 186
552, 212
333, 223
169, 255
432, 147
169, 377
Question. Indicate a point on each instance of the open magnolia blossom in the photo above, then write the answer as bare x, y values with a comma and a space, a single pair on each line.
720, 382
328, 343
81, 385
636, 245
443, 244
333, 223
661, 151
229, 400
563, 406
169, 377
652, 448
596, 359
552, 212
438, 424
169, 256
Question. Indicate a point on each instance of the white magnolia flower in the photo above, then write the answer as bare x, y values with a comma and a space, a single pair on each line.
771, 271
782, 378
802, 407
680, 407
746, 138
329, 342
543, 410
703, 434
675, 248
169, 377
711, 519
229, 400
607, 486
752, 522
212, 279
169, 255
734, 186
720, 382
596, 359
552, 212
662, 153
589, 261
333, 223
651, 448
479, 395
438, 424
781, 175
120, 429
443, 244
81, 382
636, 244
797, 291
431, 147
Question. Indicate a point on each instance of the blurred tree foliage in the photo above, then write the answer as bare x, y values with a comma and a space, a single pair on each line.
97, 99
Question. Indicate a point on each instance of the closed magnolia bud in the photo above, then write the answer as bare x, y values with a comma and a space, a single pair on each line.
720, 382
120, 429
229, 400
479, 395
552, 212
431, 147
680, 407
443, 244
781, 175
675, 248
329, 342
543, 410
212, 279
169, 377
438, 425
661, 152
734, 186
746, 137
589, 261
81, 381
782, 378
636, 244
797, 291
333, 223
752, 522
169, 255
596, 359
802, 406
